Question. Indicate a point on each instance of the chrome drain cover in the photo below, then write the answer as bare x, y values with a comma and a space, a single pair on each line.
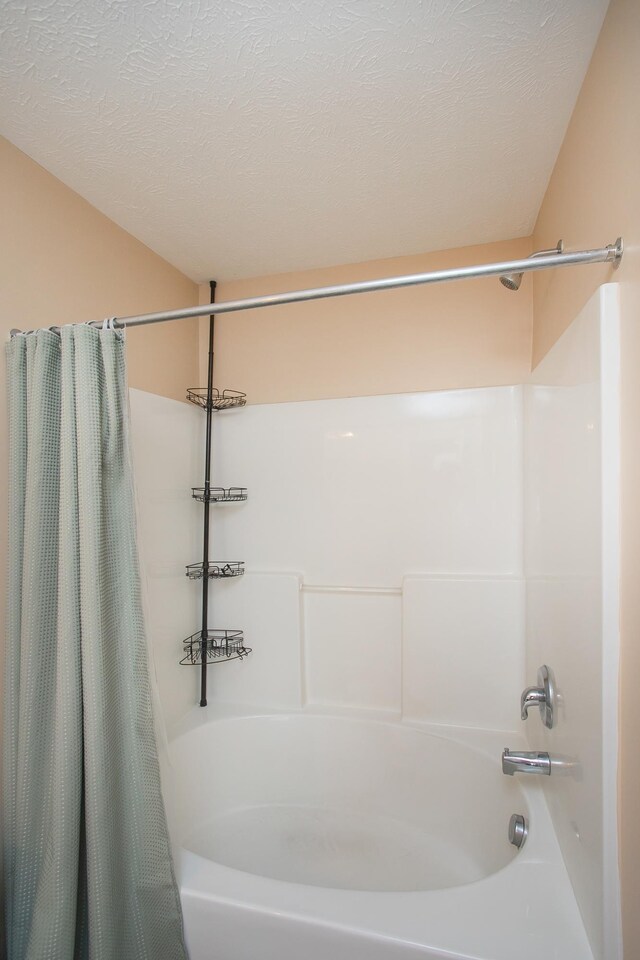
518, 830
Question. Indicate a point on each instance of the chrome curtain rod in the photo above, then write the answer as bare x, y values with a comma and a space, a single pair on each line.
612, 253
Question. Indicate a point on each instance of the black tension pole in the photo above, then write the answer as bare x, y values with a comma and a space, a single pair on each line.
204, 644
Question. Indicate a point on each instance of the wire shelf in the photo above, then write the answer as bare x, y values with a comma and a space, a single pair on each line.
215, 646
219, 401
215, 569
218, 494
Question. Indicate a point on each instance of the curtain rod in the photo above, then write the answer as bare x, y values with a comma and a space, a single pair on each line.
612, 253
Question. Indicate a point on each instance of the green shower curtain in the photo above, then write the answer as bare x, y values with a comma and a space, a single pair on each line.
88, 870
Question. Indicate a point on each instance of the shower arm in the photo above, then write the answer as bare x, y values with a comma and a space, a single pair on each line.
612, 253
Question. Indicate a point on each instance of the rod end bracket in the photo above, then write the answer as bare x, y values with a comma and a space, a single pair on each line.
615, 251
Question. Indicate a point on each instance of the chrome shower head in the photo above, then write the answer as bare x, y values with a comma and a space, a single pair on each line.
512, 281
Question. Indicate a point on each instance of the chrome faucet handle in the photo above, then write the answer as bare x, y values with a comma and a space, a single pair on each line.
543, 696
532, 696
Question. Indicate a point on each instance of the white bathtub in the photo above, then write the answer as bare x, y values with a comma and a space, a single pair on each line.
315, 837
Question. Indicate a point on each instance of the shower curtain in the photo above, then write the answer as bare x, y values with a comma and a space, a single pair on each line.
88, 870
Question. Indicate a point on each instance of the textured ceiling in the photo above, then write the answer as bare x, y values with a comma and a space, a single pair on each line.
244, 137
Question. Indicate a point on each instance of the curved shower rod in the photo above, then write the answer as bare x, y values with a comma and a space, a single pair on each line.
612, 253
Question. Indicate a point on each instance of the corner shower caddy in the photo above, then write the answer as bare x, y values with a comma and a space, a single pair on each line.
213, 645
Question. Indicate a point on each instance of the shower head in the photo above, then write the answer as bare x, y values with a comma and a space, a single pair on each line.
512, 281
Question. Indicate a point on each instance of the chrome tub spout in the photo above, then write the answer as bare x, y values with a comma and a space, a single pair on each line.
525, 762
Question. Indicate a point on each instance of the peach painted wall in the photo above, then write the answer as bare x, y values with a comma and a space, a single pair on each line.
594, 191
64, 262
593, 196
469, 334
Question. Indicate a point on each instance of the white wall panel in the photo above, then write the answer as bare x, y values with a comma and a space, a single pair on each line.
268, 608
571, 564
353, 649
463, 651
353, 493
363, 491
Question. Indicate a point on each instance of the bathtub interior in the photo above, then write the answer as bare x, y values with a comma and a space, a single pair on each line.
343, 803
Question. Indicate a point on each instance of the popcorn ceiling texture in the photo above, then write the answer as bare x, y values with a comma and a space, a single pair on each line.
245, 137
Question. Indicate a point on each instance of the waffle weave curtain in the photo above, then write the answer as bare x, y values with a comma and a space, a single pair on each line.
88, 870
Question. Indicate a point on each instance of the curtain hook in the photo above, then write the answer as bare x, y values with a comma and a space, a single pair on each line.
109, 323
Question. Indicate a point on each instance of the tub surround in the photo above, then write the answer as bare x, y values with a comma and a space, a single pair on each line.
571, 523
396, 551
353, 578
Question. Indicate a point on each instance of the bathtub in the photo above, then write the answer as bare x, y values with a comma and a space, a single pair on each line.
324, 837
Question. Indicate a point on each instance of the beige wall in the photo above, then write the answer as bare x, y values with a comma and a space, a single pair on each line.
594, 192
465, 334
593, 196
64, 262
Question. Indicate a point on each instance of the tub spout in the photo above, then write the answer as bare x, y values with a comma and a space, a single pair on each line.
525, 763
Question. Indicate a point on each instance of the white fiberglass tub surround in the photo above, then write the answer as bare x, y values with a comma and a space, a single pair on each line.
304, 835
413, 558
